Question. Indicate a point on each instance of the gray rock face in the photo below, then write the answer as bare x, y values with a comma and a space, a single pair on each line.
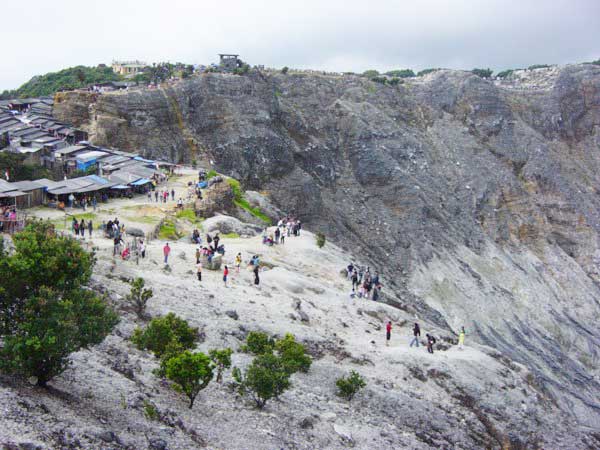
477, 202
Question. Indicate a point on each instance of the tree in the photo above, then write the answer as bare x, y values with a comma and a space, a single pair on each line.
42, 259
349, 386
191, 372
221, 360
483, 73
370, 73
139, 296
285, 70
394, 81
320, 240
258, 343
164, 331
426, 71
265, 378
293, 354
46, 312
505, 73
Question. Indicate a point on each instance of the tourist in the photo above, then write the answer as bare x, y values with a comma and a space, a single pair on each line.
430, 342
180, 203
149, 197
71, 200
156, 196
166, 251
417, 335
256, 279
461, 338
172, 194
352, 293
197, 255
282, 239
388, 332
225, 273
199, 270
216, 240
165, 196
277, 235
75, 226
142, 248
354, 279
82, 228
94, 202
90, 227
117, 245
238, 262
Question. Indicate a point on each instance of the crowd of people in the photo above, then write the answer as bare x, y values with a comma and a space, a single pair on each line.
364, 284
78, 227
8, 219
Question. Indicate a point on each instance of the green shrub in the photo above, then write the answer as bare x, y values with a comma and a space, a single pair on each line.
172, 349
138, 296
45, 313
381, 80
596, 63
259, 343
482, 73
164, 331
505, 73
285, 70
349, 386
191, 372
187, 214
426, 71
265, 378
293, 354
168, 231
394, 81
320, 240
210, 174
401, 73
538, 66
221, 360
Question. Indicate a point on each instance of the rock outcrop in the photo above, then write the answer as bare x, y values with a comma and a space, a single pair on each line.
477, 201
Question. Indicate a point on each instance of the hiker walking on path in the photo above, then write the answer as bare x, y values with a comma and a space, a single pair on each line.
197, 255
430, 342
142, 248
417, 335
225, 274
90, 227
166, 251
172, 194
461, 338
117, 245
388, 332
156, 196
82, 228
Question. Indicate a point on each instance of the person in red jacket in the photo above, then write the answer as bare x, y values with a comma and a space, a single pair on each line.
166, 251
388, 332
225, 273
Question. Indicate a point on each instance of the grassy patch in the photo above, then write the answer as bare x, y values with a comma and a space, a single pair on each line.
230, 235
84, 216
211, 173
187, 214
150, 220
168, 231
239, 200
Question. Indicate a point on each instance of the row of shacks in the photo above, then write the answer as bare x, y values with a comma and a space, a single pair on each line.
118, 173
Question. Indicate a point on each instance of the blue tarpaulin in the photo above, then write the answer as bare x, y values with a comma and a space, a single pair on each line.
140, 182
202, 184
120, 186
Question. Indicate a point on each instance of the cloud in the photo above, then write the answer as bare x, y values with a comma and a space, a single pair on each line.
330, 35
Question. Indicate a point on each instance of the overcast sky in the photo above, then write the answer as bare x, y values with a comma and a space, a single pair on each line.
341, 35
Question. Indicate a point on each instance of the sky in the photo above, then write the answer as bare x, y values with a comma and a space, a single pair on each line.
336, 35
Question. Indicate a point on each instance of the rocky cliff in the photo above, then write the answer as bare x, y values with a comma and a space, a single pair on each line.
476, 199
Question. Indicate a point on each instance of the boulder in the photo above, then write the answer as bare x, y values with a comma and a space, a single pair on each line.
233, 314
215, 263
132, 231
227, 224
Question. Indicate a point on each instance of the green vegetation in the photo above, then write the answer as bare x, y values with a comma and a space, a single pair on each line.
426, 71
483, 73
538, 66
187, 214
139, 296
18, 170
46, 314
505, 73
239, 200
190, 372
150, 410
285, 70
265, 378
382, 80
221, 360
394, 81
230, 235
370, 73
168, 231
258, 343
163, 332
83, 173
160, 72
401, 73
210, 174
596, 63
320, 240
71, 78
241, 70
349, 386
293, 354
